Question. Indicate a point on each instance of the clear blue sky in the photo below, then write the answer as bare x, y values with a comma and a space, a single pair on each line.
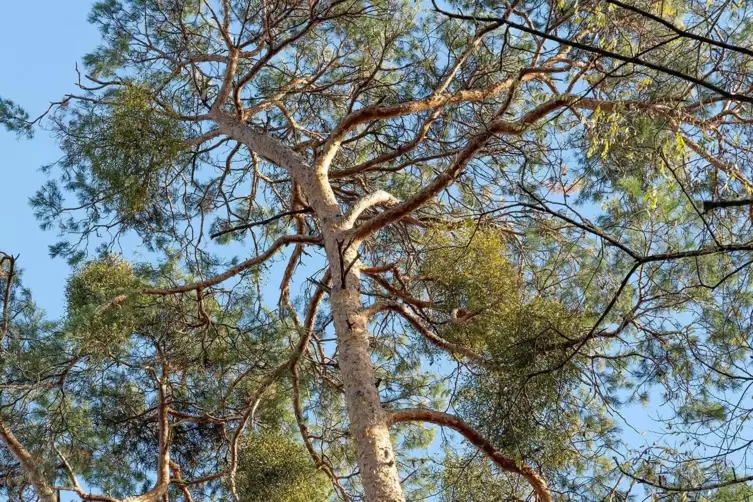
40, 43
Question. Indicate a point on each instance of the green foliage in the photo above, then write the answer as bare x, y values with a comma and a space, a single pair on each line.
135, 145
89, 291
14, 118
103, 419
515, 399
469, 270
703, 412
524, 300
625, 145
474, 479
470, 274
116, 156
98, 282
738, 492
274, 468
112, 17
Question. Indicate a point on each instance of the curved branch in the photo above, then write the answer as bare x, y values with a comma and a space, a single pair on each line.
480, 442
217, 279
447, 177
364, 203
319, 193
386, 157
29, 465
76, 486
178, 479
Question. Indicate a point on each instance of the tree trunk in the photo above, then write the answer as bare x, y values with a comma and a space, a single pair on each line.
369, 425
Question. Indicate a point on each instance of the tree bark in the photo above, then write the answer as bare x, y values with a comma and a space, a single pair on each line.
369, 424
505, 463
29, 465
163, 462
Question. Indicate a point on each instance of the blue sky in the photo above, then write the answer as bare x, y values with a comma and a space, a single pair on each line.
38, 59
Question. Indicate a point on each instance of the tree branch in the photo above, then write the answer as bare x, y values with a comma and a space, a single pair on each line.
365, 202
212, 281
480, 442
252, 224
447, 177
683, 489
710, 205
76, 486
163, 458
603, 52
682, 33
29, 465
432, 337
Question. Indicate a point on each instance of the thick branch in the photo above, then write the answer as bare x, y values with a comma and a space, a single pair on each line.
476, 439
447, 177
364, 203
318, 191
710, 205
29, 465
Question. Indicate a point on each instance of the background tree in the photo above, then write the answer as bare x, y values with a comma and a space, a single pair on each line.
497, 210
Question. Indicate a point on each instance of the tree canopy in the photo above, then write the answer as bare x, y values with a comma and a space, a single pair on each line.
395, 251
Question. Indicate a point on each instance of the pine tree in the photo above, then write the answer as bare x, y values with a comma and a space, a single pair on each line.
488, 219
